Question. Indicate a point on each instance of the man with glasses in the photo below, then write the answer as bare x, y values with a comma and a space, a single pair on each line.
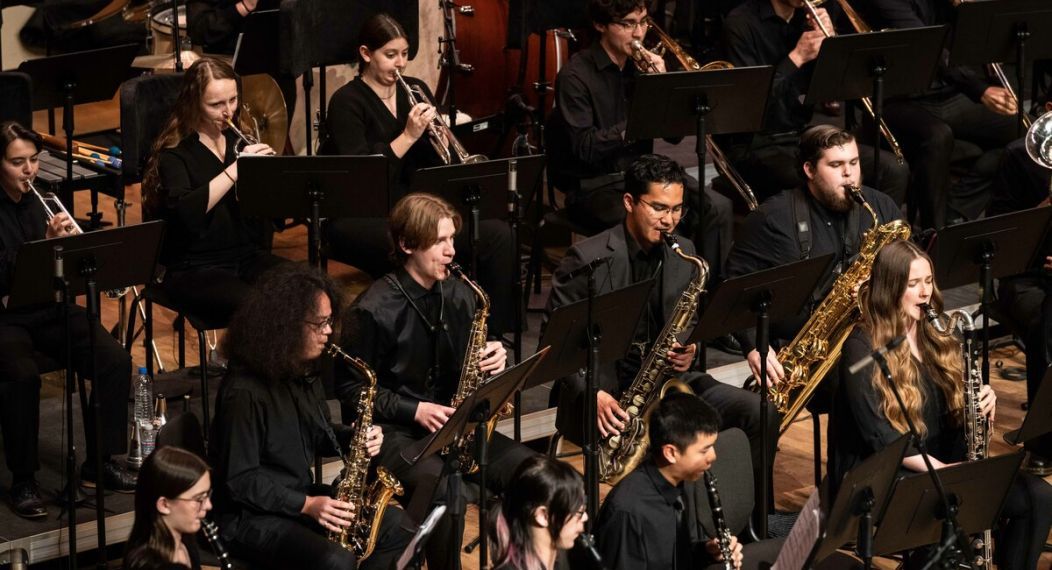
634, 251
271, 419
587, 146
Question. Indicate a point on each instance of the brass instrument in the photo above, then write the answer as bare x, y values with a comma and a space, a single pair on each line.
719, 522
53, 206
442, 138
719, 159
1039, 145
620, 453
977, 426
816, 347
370, 501
862, 28
246, 140
471, 378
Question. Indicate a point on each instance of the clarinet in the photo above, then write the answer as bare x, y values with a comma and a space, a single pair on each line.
723, 534
211, 532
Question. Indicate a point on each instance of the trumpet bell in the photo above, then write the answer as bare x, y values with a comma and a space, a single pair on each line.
1039, 140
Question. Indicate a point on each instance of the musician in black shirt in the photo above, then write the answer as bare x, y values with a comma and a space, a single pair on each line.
215, 24
212, 252
412, 328
783, 34
271, 420
372, 115
26, 330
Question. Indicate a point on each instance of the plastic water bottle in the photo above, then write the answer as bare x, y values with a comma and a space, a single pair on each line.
143, 410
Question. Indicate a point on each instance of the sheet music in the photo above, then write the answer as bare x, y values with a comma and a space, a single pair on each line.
802, 538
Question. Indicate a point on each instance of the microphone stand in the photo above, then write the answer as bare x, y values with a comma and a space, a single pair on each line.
953, 542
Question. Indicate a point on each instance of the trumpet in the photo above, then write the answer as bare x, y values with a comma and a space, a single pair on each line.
246, 140
860, 27
442, 139
53, 206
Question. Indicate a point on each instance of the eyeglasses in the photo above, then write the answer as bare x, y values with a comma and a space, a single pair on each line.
320, 325
660, 210
580, 512
200, 499
629, 25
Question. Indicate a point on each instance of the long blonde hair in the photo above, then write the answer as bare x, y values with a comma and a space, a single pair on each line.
885, 319
186, 116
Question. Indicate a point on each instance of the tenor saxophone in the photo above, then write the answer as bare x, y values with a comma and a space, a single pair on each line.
816, 347
619, 454
977, 429
370, 501
471, 378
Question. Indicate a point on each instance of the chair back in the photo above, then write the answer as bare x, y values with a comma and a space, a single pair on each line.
16, 98
183, 430
146, 105
734, 481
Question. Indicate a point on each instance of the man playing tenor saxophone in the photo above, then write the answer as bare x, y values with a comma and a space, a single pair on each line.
271, 419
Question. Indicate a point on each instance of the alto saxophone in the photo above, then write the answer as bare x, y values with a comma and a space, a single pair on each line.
719, 522
816, 347
620, 453
370, 501
471, 378
977, 428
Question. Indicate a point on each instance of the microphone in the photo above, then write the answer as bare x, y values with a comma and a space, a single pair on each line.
587, 542
878, 353
588, 267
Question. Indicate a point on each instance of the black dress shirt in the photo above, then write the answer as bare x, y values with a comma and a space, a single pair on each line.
645, 265
20, 222
215, 24
644, 524
770, 238
862, 428
195, 236
264, 439
360, 123
385, 330
587, 135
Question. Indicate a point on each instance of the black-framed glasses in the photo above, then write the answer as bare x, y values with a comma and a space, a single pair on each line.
199, 499
320, 325
629, 25
661, 209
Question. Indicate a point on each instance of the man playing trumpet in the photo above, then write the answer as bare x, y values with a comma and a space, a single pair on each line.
39, 329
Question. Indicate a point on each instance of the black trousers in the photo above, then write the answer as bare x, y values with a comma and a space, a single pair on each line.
1030, 305
927, 129
215, 291
443, 549
278, 542
41, 330
366, 244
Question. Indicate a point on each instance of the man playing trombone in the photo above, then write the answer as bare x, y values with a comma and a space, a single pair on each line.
39, 329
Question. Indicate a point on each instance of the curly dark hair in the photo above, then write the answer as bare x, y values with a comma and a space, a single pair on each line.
266, 333
606, 11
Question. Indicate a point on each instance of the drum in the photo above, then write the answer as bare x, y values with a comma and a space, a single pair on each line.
161, 28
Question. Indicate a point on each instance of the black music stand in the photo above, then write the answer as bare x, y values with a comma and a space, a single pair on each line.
859, 501
313, 187
1038, 420
410, 557
915, 516
752, 300
583, 335
476, 409
877, 65
988, 32
482, 191
59, 270
997, 246
74, 78
256, 51
719, 102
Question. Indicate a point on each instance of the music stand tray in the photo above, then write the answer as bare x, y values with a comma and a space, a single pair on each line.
122, 257
980, 487
257, 51
1014, 238
732, 306
986, 32
616, 315
663, 103
483, 183
281, 186
1038, 420
845, 64
95, 75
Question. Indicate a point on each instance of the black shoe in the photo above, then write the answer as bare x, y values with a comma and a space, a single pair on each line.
114, 477
1037, 465
727, 343
26, 501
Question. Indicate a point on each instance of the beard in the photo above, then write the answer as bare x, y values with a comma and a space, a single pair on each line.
834, 198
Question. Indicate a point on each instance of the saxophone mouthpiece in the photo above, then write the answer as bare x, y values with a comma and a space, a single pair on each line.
455, 269
855, 192
670, 240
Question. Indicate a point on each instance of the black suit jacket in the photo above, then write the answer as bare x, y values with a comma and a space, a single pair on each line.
614, 274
